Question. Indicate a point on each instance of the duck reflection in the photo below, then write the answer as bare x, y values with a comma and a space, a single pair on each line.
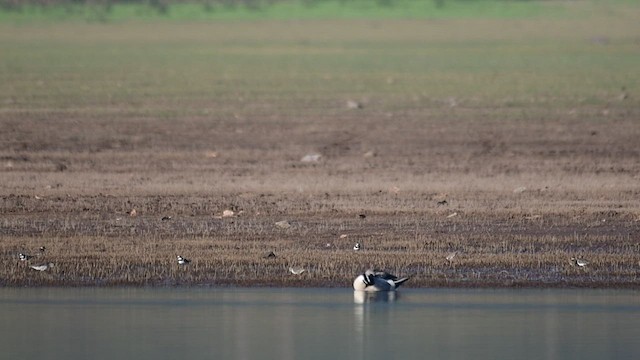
364, 309
363, 297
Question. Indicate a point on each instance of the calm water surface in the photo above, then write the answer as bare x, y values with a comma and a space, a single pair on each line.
193, 323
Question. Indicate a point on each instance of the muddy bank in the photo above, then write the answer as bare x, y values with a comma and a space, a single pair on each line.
95, 241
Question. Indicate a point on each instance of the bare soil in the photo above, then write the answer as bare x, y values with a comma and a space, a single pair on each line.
517, 200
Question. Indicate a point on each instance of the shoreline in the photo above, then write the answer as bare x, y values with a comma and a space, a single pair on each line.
476, 286
106, 247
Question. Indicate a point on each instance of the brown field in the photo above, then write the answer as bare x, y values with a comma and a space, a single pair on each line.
534, 146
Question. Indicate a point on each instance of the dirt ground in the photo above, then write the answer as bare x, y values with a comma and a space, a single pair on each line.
516, 200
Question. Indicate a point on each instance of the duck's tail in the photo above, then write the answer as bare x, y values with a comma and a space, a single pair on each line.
400, 281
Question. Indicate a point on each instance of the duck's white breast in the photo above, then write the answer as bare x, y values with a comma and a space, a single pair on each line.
358, 283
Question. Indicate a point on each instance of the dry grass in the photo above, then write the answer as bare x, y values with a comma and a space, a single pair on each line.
104, 246
528, 135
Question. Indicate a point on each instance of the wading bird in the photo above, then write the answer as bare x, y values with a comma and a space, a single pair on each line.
296, 270
24, 257
580, 262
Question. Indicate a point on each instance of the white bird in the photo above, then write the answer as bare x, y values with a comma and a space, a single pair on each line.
357, 247
580, 262
183, 261
297, 270
24, 257
42, 267
373, 280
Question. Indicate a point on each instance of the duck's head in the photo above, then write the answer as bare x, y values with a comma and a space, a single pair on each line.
368, 277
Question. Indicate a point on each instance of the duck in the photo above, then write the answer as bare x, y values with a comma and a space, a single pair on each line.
373, 280
42, 267
357, 247
183, 261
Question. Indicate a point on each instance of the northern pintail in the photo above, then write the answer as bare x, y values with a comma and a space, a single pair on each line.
373, 280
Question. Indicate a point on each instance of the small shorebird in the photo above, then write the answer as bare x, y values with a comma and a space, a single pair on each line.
24, 257
183, 261
580, 262
296, 270
451, 255
357, 247
373, 280
42, 267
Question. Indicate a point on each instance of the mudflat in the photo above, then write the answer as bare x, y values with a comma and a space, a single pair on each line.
252, 147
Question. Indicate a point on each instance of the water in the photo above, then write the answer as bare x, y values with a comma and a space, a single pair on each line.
190, 323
